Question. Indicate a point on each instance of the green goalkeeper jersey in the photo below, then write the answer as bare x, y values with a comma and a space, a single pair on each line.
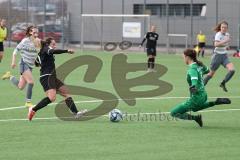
195, 76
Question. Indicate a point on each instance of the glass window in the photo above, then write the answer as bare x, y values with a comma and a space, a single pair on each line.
173, 10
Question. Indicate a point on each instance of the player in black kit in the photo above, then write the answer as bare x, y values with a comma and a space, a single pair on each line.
49, 81
151, 45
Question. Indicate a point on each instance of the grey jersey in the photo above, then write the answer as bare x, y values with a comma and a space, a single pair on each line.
28, 51
219, 37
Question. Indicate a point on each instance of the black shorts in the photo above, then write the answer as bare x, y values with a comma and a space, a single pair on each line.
201, 45
1, 47
50, 82
151, 51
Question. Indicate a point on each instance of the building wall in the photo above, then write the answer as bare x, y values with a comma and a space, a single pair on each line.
227, 10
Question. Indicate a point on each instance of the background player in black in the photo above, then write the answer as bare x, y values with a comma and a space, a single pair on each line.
49, 81
151, 45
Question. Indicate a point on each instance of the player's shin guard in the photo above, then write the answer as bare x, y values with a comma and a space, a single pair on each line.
14, 81
29, 92
153, 63
43, 103
206, 79
228, 76
71, 105
149, 63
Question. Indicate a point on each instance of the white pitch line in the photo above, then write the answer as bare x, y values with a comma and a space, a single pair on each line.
9, 120
95, 101
56, 118
11, 108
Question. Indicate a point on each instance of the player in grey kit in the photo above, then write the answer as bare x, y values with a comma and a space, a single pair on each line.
28, 49
220, 57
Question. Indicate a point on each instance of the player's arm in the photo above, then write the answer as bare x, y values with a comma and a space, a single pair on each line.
144, 39
59, 51
13, 65
157, 37
221, 43
14, 55
5, 38
197, 39
194, 79
205, 70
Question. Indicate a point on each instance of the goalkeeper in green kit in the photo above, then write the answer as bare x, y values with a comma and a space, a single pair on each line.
198, 96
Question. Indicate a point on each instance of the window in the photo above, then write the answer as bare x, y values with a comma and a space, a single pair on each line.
173, 10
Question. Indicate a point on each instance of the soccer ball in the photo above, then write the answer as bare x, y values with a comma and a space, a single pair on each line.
115, 115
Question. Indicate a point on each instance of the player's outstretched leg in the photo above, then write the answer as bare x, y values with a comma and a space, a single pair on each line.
198, 120
220, 101
181, 110
72, 107
32, 110
187, 116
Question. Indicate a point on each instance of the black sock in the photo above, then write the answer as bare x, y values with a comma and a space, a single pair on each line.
71, 105
149, 62
153, 63
212, 103
206, 79
228, 76
203, 53
43, 103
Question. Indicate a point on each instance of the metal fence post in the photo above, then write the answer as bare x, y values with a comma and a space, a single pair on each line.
63, 35
9, 22
191, 30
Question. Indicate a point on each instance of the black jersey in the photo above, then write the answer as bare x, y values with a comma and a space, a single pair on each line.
151, 38
47, 60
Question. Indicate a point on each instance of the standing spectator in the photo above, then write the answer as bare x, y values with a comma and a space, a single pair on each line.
201, 41
3, 36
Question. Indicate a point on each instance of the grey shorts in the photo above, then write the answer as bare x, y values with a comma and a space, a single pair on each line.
217, 60
23, 67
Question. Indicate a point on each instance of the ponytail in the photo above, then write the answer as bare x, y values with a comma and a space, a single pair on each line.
46, 42
199, 63
217, 28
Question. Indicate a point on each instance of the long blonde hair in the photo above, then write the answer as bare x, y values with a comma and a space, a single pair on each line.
217, 28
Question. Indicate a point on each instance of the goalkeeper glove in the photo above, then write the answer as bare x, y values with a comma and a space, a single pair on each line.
193, 89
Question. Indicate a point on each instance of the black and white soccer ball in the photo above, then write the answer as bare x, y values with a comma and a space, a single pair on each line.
115, 115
